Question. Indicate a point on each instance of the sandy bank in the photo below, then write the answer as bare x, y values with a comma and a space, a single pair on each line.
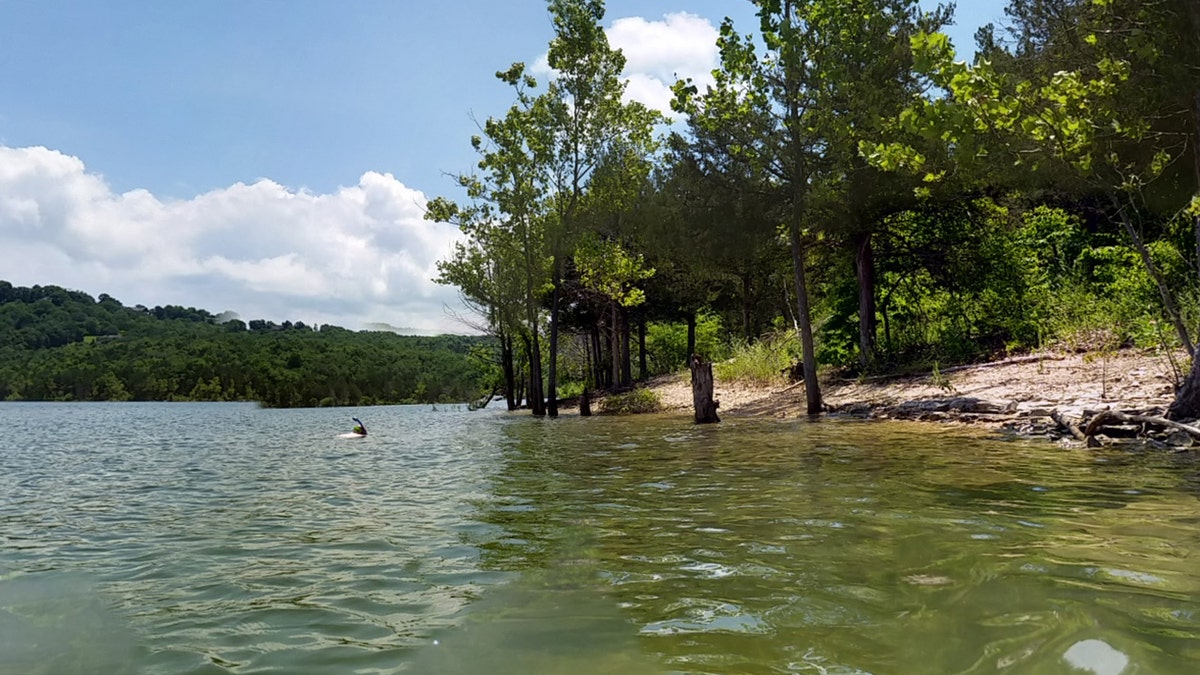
1041, 395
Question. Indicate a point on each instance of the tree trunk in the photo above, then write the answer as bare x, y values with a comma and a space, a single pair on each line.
615, 347
746, 306
524, 394
510, 379
1163, 291
1186, 405
643, 371
887, 329
799, 184
812, 389
789, 309
1196, 147
864, 268
588, 380
597, 358
702, 391
537, 403
585, 402
1187, 400
552, 378
626, 357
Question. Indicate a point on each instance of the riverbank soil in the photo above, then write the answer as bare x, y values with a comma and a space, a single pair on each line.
1077, 398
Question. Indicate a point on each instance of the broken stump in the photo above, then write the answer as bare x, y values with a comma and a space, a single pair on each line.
702, 391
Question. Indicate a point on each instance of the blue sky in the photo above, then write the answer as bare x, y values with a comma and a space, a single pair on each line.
271, 158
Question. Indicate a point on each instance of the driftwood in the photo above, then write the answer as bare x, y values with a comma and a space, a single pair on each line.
702, 391
1005, 362
1109, 416
1065, 423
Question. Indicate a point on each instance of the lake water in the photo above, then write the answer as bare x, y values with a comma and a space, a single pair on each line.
225, 538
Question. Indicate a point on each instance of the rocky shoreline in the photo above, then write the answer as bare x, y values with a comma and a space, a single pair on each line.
1075, 399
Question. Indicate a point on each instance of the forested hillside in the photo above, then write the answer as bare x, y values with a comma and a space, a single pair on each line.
62, 345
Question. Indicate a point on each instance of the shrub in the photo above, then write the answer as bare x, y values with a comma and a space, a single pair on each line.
666, 343
762, 361
631, 403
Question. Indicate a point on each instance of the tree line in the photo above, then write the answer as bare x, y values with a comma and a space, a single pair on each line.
848, 178
63, 345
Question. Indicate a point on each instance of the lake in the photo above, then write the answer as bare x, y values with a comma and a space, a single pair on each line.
226, 538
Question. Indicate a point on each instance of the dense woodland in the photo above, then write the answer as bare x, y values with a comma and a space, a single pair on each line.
849, 190
62, 345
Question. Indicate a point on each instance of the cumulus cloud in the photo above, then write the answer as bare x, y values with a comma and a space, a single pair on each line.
358, 255
659, 52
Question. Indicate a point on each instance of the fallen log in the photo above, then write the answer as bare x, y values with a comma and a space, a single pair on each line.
1005, 362
1063, 422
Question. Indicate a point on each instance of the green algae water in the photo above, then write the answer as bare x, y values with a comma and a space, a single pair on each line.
224, 538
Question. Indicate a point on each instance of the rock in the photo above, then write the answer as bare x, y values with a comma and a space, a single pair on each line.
1035, 409
1178, 439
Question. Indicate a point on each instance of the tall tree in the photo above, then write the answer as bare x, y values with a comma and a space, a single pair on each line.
1089, 97
864, 80
585, 116
489, 284
771, 106
505, 218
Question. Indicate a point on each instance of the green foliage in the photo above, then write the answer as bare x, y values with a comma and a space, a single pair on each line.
761, 362
178, 354
607, 268
633, 402
666, 343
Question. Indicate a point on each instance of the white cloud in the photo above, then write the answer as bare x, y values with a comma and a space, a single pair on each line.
680, 45
659, 52
358, 255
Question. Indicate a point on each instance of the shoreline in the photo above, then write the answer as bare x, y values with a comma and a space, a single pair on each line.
1090, 399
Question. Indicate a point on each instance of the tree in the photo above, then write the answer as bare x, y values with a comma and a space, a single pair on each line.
863, 79
506, 220
608, 269
771, 109
715, 231
585, 120
1088, 98
489, 283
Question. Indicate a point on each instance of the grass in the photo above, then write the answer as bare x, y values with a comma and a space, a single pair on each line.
631, 403
762, 362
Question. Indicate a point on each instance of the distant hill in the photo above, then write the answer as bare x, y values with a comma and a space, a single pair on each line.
389, 328
64, 345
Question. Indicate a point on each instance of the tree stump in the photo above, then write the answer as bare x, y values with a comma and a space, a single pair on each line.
585, 403
702, 391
